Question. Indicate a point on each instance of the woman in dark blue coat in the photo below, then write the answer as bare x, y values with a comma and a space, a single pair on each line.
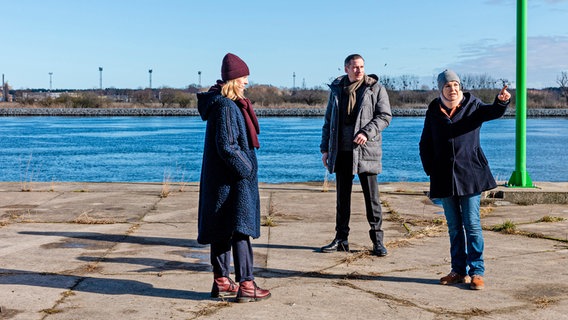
451, 155
229, 202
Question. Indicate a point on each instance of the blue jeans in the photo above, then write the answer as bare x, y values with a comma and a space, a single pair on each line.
466, 238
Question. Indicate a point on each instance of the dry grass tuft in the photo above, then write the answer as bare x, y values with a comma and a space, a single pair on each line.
68, 293
508, 227
165, 187
84, 218
92, 267
544, 302
27, 176
399, 243
268, 221
439, 221
51, 311
348, 259
428, 231
325, 186
550, 219
485, 211
211, 309
20, 216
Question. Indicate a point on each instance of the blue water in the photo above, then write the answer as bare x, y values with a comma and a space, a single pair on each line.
151, 149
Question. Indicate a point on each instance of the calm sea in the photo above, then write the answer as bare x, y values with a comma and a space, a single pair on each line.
151, 149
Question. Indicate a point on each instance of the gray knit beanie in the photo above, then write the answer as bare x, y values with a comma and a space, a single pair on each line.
447, 76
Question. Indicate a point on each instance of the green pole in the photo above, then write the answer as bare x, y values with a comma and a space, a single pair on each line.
520, 177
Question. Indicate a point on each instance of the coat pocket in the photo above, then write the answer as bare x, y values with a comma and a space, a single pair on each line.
371, 151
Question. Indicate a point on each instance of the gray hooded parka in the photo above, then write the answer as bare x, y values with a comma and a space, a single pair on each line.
373, 116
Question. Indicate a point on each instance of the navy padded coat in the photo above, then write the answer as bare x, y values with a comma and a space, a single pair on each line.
450, 149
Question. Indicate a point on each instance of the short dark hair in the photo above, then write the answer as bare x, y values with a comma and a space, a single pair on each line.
352, 57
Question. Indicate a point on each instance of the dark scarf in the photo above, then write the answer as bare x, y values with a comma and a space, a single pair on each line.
251, 121
253, 129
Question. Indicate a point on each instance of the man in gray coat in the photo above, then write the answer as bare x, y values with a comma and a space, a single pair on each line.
357, 112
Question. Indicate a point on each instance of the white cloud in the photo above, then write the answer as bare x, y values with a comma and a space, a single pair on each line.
514, 2
555, 1
546, 58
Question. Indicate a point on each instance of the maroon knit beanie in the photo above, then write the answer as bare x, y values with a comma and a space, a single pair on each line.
233, 67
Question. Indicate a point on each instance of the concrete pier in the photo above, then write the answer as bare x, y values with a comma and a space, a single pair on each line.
129, 251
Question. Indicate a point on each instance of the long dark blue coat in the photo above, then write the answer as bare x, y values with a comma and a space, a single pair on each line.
450, 149
228, 192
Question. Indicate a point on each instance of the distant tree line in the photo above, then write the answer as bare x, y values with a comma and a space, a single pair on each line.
404, 92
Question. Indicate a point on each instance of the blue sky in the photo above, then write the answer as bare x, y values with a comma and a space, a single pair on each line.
179, 38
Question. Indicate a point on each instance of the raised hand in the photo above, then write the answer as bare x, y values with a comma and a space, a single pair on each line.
504, 95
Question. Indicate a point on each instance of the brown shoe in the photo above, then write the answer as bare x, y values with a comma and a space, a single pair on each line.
224, 287
454, 277
250, 292
477, 282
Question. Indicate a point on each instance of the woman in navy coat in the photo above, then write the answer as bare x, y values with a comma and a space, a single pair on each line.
451, 155
229, 202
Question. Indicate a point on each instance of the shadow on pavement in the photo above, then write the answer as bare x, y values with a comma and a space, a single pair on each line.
110, 286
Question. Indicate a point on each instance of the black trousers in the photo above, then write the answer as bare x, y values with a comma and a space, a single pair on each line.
242, 257
344, 181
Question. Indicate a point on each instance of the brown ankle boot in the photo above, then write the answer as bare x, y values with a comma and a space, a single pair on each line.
224, 287
250, 292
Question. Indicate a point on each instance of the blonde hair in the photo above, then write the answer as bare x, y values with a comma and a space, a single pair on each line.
231, 91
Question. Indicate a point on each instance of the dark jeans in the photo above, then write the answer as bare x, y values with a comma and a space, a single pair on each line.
344, 180
242, 257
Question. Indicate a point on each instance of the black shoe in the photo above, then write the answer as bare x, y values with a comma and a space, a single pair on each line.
336, 245
379, 250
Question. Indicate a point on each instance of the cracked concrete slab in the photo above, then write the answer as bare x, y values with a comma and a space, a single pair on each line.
134, 255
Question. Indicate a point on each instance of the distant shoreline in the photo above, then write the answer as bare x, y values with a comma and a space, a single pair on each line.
261, 112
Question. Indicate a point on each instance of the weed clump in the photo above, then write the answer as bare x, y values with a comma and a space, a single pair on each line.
508, 227
550, 219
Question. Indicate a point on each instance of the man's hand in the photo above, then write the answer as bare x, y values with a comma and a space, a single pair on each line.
324, 158
360, 139
504, 95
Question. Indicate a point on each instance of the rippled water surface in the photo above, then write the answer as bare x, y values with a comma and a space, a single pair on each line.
151, 149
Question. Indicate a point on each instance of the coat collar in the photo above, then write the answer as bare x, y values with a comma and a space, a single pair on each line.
370, 80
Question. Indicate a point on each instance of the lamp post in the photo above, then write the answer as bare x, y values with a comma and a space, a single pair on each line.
2, 90
293, 80
520, 177
199, 78
150, 73
101, 78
